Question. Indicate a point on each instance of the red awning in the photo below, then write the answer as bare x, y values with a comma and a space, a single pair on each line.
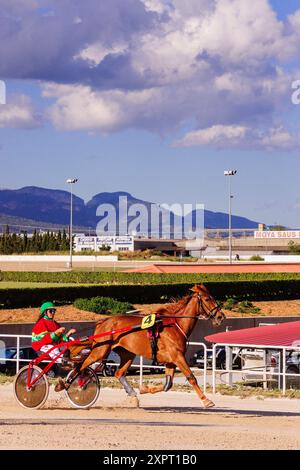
284, 334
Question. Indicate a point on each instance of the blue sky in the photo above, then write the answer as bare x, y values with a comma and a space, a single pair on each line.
156, 98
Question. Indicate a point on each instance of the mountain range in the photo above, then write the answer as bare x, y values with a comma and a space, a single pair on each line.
50, 208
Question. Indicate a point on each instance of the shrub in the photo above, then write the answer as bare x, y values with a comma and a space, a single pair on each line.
143, 287
105, 248
103, 305
257, 258
247, 307
294, 248
122, 278
230, 304
268, 289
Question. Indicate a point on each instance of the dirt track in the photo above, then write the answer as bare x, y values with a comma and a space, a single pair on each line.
276, 308
167, 421
26, 263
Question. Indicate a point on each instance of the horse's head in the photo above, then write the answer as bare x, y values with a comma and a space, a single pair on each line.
208, 307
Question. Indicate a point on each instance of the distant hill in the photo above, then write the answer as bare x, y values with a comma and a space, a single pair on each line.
50, 208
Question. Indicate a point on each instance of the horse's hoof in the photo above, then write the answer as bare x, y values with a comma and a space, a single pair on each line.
60, 386
131, 402
207, 403
143, 389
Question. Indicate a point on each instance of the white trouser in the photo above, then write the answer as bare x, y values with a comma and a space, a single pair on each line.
54, 353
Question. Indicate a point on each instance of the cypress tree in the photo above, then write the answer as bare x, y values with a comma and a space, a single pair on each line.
59, 241
44, 242
25, 242
65, 241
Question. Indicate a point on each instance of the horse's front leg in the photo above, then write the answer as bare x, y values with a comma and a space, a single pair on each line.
169, 373
184, 367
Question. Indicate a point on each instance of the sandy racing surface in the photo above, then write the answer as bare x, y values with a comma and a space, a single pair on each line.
70, 313
166, 421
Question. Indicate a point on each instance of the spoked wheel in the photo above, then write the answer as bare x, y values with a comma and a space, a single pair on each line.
35, 396
84, 390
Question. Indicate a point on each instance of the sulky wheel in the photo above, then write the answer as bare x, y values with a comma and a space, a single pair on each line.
35, 396
84, 389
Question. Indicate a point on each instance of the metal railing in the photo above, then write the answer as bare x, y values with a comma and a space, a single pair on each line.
141, 366
264, 370
259, 370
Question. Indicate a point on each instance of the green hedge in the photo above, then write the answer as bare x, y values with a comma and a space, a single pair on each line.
241, 290
81, 277
103, 305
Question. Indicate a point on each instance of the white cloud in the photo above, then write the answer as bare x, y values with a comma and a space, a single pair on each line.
96, 52
103, 111
280, 139
217, 136
220, 64
19, 112
274, 139
235, 32
159, 6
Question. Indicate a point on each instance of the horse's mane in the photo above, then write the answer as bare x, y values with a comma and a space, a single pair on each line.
174, 307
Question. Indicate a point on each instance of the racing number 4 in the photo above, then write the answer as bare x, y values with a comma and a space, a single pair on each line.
148, 321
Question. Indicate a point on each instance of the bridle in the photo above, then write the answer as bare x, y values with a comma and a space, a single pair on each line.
211, 314
208, 314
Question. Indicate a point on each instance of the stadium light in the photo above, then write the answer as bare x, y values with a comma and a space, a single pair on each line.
71, 181
230, 173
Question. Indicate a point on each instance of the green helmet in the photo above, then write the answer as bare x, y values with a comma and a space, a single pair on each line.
46, 306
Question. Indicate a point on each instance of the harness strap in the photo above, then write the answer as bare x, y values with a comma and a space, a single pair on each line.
153, 334
181, 330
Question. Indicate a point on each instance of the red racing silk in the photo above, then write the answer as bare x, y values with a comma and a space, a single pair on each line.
43, 333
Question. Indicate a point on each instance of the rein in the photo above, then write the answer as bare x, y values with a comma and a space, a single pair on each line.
211, 314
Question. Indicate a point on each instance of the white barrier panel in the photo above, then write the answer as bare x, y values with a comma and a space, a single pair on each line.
56, 258
266, 258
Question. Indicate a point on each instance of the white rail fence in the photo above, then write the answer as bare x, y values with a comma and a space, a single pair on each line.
141, 366
265, 373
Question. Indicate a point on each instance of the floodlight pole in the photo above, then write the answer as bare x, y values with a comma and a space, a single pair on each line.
230, 173
71, 182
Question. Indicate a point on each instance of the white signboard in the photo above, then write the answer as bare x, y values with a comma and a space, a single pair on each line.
288, 234
123, 240
95, 243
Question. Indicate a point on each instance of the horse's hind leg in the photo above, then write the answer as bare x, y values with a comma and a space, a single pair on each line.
169, 373
183, 366
126, 358
97, 354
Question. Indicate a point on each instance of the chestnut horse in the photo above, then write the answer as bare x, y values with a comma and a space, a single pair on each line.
171, 342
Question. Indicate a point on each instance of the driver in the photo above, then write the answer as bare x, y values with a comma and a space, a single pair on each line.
47, 332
